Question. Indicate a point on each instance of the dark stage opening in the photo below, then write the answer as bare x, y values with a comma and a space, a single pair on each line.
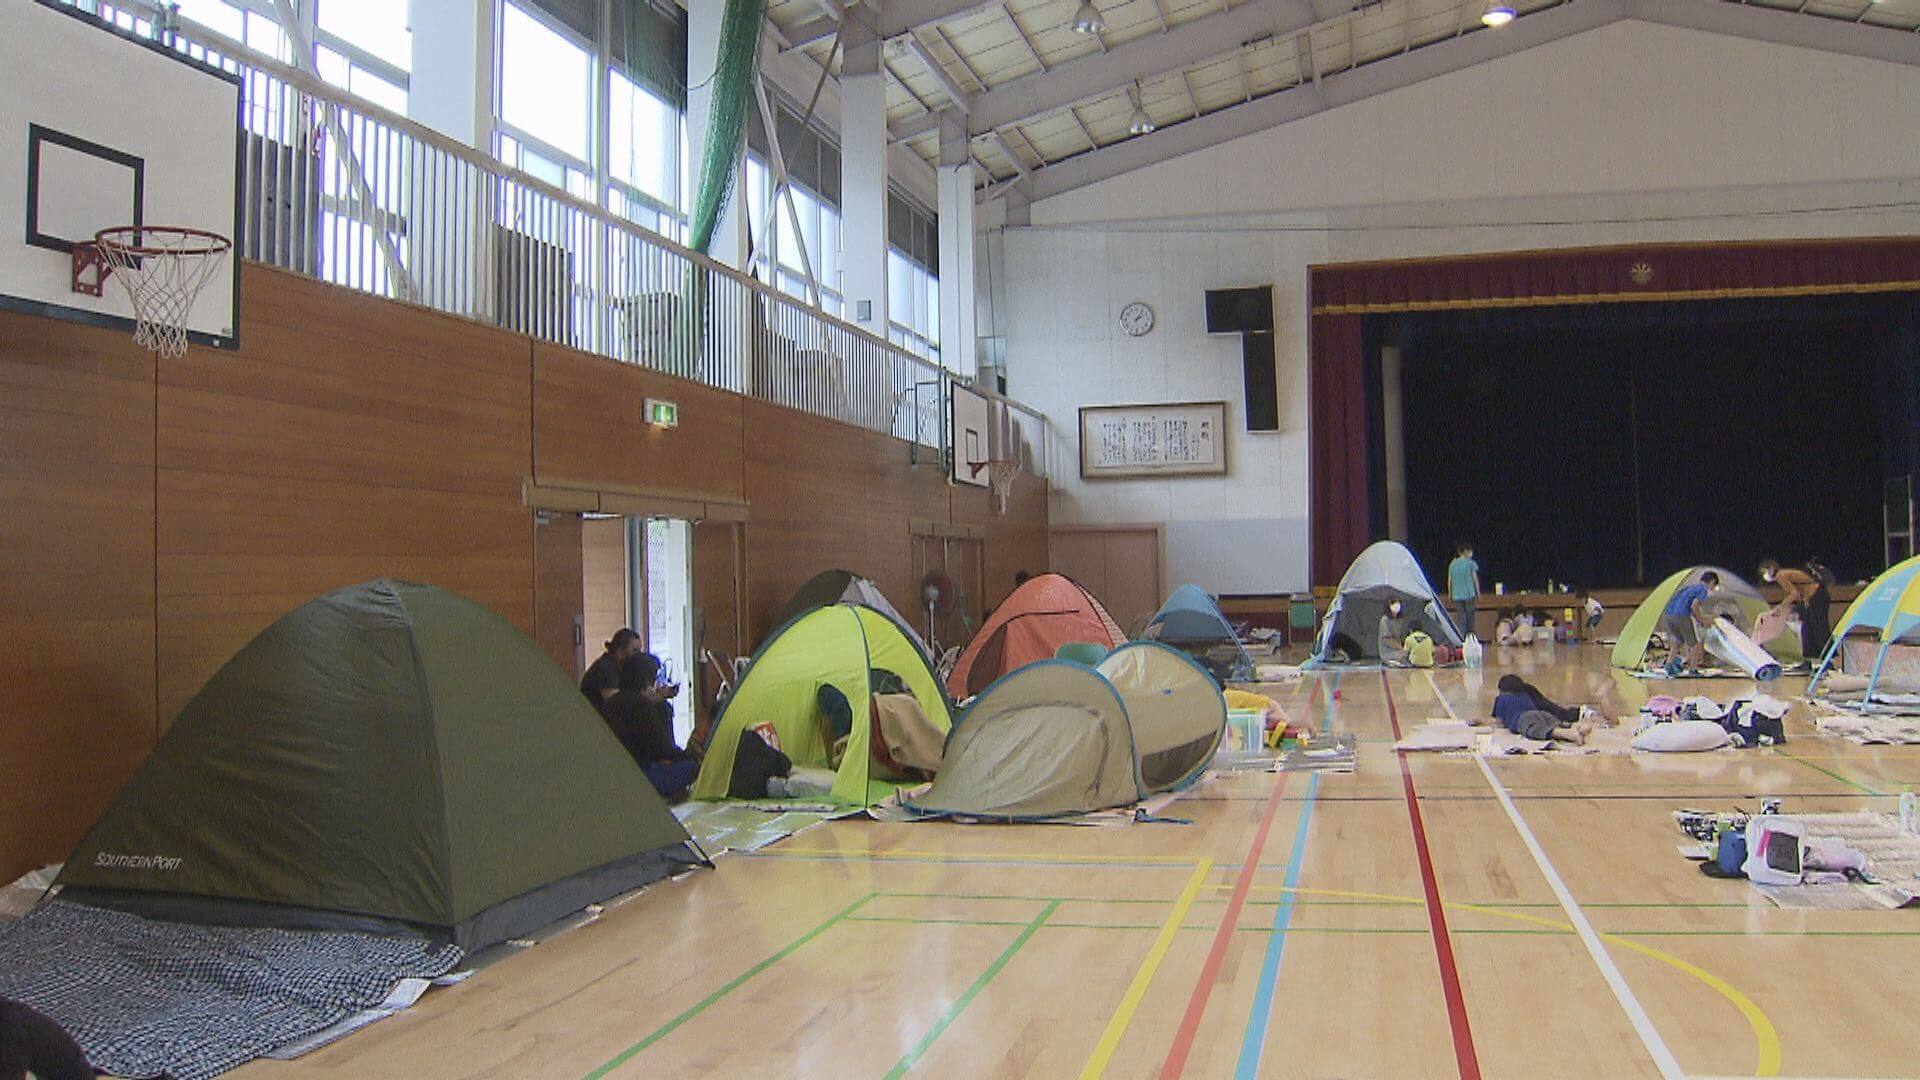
1612, 444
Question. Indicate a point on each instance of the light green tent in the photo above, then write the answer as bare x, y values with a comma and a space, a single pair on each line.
388, 752
1055, 738
839, 645
1739, 601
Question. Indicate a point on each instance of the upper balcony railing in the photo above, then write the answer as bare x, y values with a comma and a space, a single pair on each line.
341, 189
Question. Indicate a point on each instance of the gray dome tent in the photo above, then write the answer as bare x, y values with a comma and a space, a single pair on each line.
1055, 737
386, 756
1384, 571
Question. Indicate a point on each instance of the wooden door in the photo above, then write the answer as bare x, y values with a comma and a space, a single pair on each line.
718, 609
930, 555
1119, 566
965, 565
605, 572
559, 616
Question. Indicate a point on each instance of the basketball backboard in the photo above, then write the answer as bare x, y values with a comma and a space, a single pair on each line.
970, 422
101, 129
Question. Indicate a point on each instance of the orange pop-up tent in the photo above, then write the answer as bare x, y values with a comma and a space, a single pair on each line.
1047, 612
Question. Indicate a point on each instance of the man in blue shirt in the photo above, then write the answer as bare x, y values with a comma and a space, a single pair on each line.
1463, 585
1684, 617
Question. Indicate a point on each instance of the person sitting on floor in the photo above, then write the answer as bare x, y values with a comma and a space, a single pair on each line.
602, 678
1394, 628
641, 716
1522, 709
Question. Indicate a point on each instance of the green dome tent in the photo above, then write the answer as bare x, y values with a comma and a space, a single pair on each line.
844, 587
1055, 737
386, 754
841, 645
1736, 599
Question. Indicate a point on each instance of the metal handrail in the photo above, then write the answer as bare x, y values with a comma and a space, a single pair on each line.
805, 357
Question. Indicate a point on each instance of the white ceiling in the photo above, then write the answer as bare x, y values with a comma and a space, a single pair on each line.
1035, 94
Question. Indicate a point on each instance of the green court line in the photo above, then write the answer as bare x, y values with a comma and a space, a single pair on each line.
936, 921
1854, 784
704, 1003
953, 1011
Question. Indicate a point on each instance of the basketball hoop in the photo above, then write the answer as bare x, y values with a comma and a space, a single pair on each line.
1001, 473
162, 268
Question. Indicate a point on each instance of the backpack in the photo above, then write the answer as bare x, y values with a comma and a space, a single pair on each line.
1419, 649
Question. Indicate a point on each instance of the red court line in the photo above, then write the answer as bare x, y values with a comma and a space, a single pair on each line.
1229, 922
1463, 1052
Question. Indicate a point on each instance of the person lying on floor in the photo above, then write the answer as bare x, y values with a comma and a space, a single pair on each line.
1395, 625
1522, 709
31, 1044
641, 716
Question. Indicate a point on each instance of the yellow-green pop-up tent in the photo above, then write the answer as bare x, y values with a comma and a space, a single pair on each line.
1735, 596
842, 646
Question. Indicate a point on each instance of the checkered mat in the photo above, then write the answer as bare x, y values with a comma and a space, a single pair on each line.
147, 998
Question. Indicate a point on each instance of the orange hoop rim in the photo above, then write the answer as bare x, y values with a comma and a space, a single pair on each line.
119, 239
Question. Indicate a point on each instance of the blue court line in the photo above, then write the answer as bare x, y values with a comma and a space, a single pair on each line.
1256, 1037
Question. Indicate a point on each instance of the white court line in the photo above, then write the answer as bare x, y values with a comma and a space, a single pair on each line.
1642, 1023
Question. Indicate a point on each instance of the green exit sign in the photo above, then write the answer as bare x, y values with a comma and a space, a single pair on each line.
662, 413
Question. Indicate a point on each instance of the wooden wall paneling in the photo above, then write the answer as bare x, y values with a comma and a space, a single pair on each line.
1016, 540
77, 709
350, 438
964, 565
559, 618
587, 428
1120, 566
827, 495
604, 576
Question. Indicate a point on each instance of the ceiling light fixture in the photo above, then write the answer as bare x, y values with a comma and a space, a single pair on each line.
1139, 123
1087, 19
1498, 13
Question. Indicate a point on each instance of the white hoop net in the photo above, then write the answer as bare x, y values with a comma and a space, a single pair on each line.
162, 270
1002, 475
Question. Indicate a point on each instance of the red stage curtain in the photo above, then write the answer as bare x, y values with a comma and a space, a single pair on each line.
1337, 388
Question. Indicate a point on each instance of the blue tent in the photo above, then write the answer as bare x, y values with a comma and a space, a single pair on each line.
1891, 608
1191, 622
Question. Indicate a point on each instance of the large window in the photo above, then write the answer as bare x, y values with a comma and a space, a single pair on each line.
913, 278
546, 88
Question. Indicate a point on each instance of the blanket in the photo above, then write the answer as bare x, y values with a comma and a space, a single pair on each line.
146, 998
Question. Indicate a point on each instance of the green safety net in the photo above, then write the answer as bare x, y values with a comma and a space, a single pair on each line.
736, 67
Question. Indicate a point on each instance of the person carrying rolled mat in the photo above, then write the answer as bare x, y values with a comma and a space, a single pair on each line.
1522, 709
1807, 594
1685, 618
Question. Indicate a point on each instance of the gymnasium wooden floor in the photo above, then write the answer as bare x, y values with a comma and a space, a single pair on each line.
1425, 916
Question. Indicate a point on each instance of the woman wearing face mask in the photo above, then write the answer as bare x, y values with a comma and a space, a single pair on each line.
1395, 625
1807, 594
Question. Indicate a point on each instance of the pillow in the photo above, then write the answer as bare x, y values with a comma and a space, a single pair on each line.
1681, 736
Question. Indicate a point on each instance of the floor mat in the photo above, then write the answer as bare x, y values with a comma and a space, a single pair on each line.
743, 826
147, 998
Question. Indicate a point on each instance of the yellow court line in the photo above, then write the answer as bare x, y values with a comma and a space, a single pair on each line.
1117, 1026
1764, 1033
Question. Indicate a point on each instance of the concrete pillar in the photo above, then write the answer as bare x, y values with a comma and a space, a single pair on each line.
704, 21
451, 91
451, 86
957, 313
1394, 444
863, 179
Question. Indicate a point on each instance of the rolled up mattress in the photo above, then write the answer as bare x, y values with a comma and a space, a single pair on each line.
1730, 643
